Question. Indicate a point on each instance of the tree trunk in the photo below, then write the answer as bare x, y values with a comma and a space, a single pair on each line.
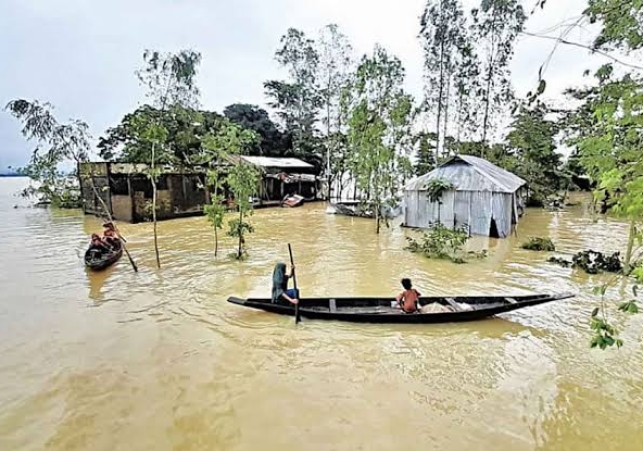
216, 241
156, 242
446, 113
630, 246
240, 233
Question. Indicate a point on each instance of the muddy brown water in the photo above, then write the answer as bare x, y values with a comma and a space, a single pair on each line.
160, 361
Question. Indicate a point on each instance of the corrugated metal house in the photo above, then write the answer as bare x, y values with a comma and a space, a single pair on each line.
485, 199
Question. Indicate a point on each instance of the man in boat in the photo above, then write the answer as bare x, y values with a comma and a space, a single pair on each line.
109, 234
408, 299
280, 291
97, 246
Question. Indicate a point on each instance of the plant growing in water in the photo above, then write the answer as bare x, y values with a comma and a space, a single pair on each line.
442, 243
243, 180
539, 244
435, 188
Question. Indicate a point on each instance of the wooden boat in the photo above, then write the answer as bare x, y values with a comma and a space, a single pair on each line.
351, 208
104, 260
380, 310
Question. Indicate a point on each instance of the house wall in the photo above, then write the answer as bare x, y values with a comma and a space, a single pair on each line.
471, 209
122, 207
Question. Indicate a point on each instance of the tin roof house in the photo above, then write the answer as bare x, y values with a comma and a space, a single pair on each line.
480, 196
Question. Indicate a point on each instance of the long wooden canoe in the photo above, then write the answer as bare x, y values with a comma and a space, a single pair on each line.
104, 260
381, 310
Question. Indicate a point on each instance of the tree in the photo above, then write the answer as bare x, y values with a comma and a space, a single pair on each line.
444, 37
496, 25
230, 140
610, 147
531, 141
185, 128
242, 179
56, 144
171, 82
380, 129
297, 102
425, 154
334, 76
272, 142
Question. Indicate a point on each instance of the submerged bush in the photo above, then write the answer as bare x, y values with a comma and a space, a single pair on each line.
539, 244
442, 243
592, 262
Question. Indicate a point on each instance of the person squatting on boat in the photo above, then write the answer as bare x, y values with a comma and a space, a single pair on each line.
408, 299
280, 291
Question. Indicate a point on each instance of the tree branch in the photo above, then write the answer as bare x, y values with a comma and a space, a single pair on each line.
583, 46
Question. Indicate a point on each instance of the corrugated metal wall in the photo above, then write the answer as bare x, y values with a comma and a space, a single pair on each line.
502, 212
480, 212
462, 209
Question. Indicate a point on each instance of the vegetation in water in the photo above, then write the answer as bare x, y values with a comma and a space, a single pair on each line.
170, 80
56, 144
539, 244
219, 149
243, 181
443, 243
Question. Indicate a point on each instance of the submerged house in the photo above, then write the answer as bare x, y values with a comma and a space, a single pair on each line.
126, 189
480, 196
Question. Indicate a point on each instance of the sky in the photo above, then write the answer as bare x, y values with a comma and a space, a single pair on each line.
81, 55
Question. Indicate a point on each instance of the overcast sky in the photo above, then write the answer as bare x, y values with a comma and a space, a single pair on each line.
80, 55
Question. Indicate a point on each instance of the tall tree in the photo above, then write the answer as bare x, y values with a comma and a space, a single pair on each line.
444, 39
379, 129
297, 101
531, 140
272, 142
334, 75
56, 144
171, 81
496, 26
185, 129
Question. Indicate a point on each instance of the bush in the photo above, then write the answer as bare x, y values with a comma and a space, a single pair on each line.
442, 243
539, 244
592, 262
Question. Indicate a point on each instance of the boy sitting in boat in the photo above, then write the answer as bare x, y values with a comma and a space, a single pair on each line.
280, 291
408, 299
109, 234
97, 247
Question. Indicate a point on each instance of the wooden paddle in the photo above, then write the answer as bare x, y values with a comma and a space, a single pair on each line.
294, 280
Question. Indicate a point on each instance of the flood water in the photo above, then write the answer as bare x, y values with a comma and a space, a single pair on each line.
160, 361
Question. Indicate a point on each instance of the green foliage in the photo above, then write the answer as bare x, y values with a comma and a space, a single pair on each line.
533, 155
441, 243
297, 102
436, 187
185, 130
621, 22
379, 127
447, 50
426, 161
539, 244
243, 180
271, 141
496, 24
56, 144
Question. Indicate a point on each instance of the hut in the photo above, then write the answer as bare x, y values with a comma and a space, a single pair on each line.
479, 196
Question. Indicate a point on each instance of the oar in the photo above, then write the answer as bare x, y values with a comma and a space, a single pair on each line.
123, 241
294, 280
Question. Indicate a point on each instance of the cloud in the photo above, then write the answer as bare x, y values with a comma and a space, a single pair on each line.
81, 56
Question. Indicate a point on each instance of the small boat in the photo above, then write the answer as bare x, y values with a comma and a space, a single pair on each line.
293, 201
98, 262
382, 310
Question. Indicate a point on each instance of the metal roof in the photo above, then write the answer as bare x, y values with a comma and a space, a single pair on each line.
469, 173
270, 162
